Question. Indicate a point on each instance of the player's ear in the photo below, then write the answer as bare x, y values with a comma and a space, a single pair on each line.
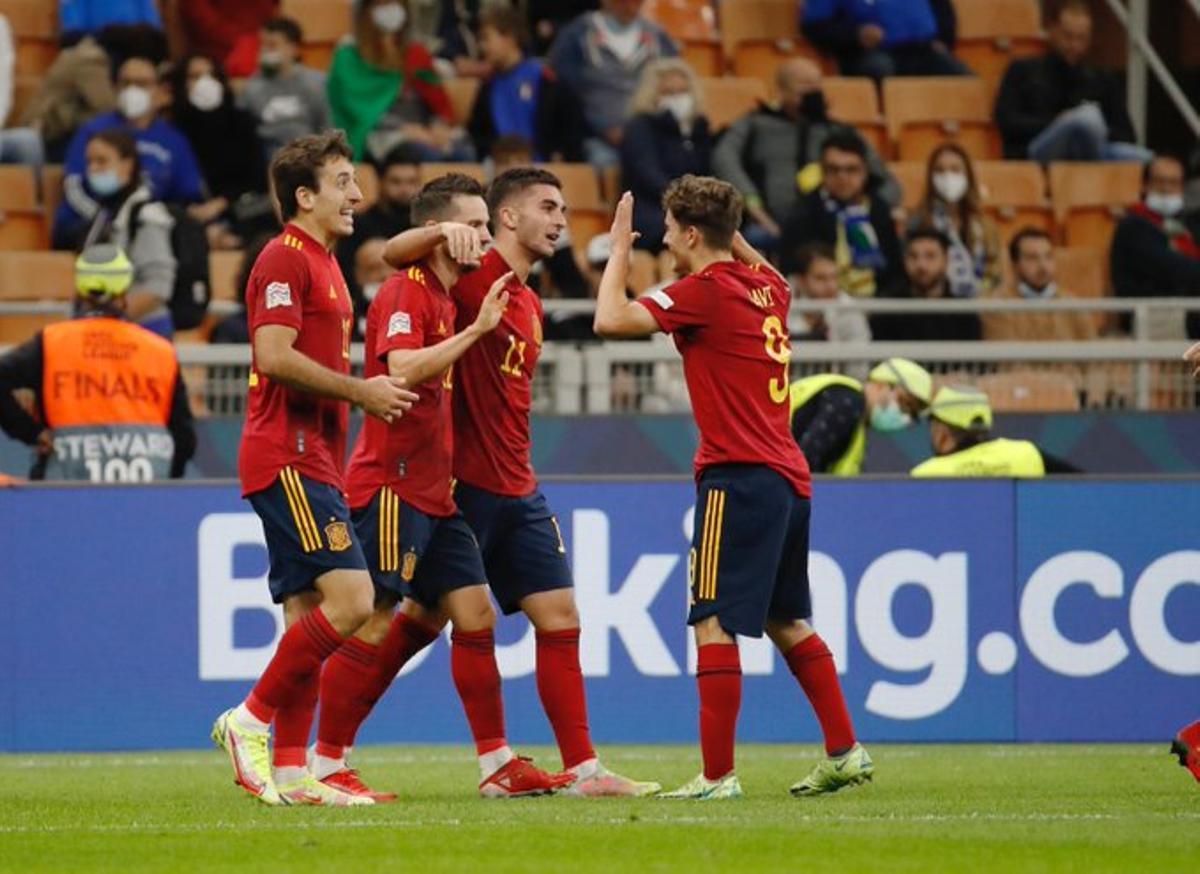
508, 217
305, 197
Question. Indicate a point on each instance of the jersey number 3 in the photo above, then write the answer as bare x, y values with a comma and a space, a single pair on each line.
779, 349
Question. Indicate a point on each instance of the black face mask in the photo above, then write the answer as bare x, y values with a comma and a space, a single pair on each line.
812, 106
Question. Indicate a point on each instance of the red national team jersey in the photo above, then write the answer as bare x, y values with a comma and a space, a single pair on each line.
494, 394
730, 325
296, 282
413, 454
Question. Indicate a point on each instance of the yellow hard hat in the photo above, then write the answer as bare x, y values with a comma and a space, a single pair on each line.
103, 270
906, 374
962, 407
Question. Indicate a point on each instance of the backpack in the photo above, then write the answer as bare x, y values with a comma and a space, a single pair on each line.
189, 244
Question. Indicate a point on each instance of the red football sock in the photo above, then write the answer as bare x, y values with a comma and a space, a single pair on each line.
812, 663
405, 638
296, 662
293, 724
560, 686
347, 681
719, 676
477, 679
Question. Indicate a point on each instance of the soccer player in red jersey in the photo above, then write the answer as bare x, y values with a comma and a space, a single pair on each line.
749, 557
418, 546
497, 492
291, 464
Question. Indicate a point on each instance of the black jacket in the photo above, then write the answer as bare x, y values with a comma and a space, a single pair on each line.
653, 152
811, 222
1145, 265
1035, 91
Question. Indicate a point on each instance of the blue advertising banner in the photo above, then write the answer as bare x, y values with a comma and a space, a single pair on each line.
960, 610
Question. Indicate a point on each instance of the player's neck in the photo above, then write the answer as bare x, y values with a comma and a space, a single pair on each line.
705, 258
310, 227
444, 267
516, 256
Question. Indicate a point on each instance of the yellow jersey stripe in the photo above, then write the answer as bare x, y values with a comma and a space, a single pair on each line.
310, 540
716, 555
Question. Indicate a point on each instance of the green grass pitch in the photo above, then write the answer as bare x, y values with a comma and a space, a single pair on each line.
931, 808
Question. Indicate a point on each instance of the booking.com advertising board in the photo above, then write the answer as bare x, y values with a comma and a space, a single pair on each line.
957, 611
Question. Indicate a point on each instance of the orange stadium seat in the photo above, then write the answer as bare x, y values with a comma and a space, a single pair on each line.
758, 34
855, 101
925, 111
1089, 197
910, 175
1014, 195
693, 25
18, 329
223, 268
51, 189
1030, 391
994, 33
730, 98
39, 275
462, 93
323, 23
25, 88
22, 220
34, 25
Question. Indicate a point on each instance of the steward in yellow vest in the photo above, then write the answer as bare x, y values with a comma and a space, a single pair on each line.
830, 412
960, 424
109, 395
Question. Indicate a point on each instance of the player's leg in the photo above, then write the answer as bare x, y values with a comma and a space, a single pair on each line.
1186, 747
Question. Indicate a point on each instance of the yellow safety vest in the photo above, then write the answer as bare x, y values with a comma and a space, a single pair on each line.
998, 458
804, 390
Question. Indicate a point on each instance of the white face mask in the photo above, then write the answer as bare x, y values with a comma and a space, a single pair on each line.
1165, 204
134, 101
390, 17
682, 106
206, 93
1028, 291
951, 185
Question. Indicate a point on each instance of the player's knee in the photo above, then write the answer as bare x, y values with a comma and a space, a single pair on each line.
554, 611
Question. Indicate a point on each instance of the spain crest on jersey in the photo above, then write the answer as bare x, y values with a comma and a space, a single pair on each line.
338, 535
409, 567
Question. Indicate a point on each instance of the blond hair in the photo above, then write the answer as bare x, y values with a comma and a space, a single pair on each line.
645, 98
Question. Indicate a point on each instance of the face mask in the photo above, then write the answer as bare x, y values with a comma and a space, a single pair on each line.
951, 185
1028, 291
370, 290
682, 106
134, 101
270, 63
890, 418
1165, 204
812, 106
105, 183
206, 93
390, 17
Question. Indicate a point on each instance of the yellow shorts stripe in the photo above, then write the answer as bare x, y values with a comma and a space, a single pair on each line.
719, 527
389, 531
310, 536
708, 547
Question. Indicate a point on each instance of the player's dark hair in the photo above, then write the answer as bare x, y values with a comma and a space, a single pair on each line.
710, 205
288, 28
434, 201
1014, 245
927, 233
297, 164
506, 21
811, 252
516, 181
845, 141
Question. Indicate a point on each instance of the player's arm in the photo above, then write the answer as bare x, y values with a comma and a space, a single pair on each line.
415, 366
276, 357
616, 315
748, 255
461, 240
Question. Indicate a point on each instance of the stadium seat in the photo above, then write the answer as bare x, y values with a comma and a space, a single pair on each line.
994, 33
51, 188
22, 220
910, 175
925, 111
324, 23
462, 93
1089, 197
25, 88
18, 329
434, 170
1014, 195
223, 268
729, 98
37, 275
368, 184
854, 100
758, 34
693, 25
34, 27
1030, 391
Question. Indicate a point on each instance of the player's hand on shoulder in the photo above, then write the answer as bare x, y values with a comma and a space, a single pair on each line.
462, 241
386, 397
491, 311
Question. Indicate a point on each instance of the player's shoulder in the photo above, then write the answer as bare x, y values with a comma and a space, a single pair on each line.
282, 250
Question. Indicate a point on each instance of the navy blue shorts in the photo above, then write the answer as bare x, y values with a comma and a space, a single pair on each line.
415, 555
308, 530
522, 546
749, 558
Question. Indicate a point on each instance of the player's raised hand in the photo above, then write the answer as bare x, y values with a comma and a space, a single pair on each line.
462, 242
385, 397
622, 233
491, 311
1192, 357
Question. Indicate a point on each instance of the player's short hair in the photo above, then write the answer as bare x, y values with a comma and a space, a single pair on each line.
517, 181
297, 164
1018, 240
927, 233
809, 253
433, 202
288, 28
710, 205
506, 21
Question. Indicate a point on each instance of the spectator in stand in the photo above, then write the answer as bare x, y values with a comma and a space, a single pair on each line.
600, 57
129, 217
1031, 254
926, 262
666, 137
882, 38
522, 96
204, 111
951, 204
286, 97
816, 279
1153, 252
547, 17
79, 17
765, 152
844, 213
369, 271
227, 30
165, 156
384, 91
447, 28
1058, 107
234, 328
399, 181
